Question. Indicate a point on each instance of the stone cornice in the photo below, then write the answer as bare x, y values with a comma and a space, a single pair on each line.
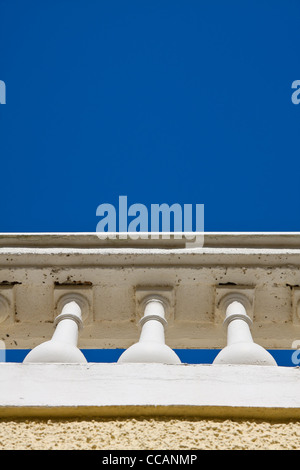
110, 277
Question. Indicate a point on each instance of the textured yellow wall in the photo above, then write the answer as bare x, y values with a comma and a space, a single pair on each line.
148, 434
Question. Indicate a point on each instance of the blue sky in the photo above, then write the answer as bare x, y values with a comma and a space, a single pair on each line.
163, 101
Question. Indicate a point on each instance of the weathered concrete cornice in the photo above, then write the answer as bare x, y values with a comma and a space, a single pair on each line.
268, 249
110, 278
262, 240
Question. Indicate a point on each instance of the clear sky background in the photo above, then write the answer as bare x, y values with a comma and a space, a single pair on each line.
164, 101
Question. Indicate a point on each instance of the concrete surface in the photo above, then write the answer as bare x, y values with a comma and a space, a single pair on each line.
110, 277
114, 390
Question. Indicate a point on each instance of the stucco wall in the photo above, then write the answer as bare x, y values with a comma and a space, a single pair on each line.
148, 434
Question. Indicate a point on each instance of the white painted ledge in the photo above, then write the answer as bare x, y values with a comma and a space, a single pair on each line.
115, 390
